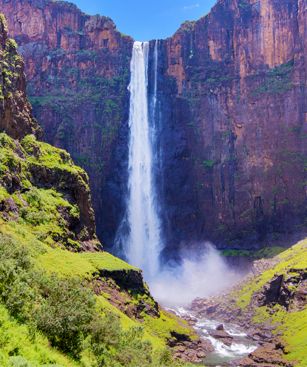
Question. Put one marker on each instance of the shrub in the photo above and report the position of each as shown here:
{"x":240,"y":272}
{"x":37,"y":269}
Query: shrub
{"x":65,"y":313}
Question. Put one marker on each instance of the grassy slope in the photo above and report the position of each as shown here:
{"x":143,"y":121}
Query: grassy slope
{"x":39,"y":226}
{"x":18,"y":348}
{"x":292,"y":325}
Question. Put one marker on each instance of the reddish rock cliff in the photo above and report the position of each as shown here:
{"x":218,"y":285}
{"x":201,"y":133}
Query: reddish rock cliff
{"x":27,"y":164}
{"x":15,"y":111}
{"x":239,"y":103}
{"x":78,"y":72}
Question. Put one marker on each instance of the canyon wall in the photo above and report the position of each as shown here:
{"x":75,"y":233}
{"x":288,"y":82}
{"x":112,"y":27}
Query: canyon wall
{"x":28,"y":165}
{"x":232,"y":121}
{"x":77,"y":68}
{"x":15,"y":111}
{"x":234,"y":124}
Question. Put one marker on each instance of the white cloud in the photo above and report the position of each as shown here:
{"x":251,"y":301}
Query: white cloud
{"x":191,"y":7}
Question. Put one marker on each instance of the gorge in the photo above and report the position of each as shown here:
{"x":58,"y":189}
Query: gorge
{"x":230,"y":96}
{"x":193,"y":156}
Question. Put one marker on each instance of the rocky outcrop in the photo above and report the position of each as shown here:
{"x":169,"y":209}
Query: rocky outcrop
{"x":78,"y":72}
{"x":287,"y":290}
{"x":27,"y":164}
{"x":15,"y":111}
{"x":222,"y":335}
{"x":189,"y":350}
{"x":268,"y":355}
{"x":232,"y":122}
{"x":233,"y":100}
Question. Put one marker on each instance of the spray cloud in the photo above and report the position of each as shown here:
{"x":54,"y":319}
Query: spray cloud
{"x":201,"y":274}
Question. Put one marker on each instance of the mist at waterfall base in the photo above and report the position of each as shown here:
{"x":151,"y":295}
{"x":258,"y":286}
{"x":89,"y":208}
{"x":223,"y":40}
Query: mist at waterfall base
{"x":202,"y":273}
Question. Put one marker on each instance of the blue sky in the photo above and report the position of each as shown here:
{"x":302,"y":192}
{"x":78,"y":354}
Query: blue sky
{"x":147,"y":19}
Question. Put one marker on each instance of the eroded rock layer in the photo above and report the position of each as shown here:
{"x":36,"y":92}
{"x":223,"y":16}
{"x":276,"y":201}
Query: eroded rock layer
{"x":234,"y":123}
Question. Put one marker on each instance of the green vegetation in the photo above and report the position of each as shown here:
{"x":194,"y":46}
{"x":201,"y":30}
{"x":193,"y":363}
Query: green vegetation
{"x":45,"y":211}
{"x":291,"y":325}
{"x":266,"y":252}
{"x":244,"y":5}
{"x":83,"y":265}
{"x":166,"y":324}
{"x":49,"y":314}
{"x":276,"y":80}
{"x":10,"y":64}
{"x":294,"y":258}
{"x":65,"y":312}
{"x":208,"y":164}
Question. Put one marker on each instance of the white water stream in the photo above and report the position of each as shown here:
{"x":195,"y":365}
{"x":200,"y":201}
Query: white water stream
{"x":223,"y":354}
{"x":142,"y":245}
{"x":140,"y":232}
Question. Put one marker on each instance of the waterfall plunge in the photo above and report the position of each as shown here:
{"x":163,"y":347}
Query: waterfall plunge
{"x":142,"y":244}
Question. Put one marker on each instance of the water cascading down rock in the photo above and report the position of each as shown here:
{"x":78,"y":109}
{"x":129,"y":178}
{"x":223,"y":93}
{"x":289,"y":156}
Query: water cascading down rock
{"x":140,"y":232}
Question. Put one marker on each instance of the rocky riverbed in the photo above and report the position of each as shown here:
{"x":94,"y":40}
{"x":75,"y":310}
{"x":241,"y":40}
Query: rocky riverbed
{"x":228,"y":343}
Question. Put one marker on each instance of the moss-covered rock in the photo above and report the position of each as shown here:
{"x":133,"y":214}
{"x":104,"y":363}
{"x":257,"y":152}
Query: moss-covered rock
{"x":15,"y":111}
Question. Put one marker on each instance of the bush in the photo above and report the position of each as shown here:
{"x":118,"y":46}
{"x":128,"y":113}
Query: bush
{"x":15,"y":290}
{"x":65,"y":313}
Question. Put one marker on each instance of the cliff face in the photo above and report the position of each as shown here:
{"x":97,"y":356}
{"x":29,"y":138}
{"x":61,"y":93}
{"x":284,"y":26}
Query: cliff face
{"x":15,"y":111}
{"x":52,"y":270}
{"x":77,"y":68}
{"x":234,"y":122}
{"x":34,"y":171}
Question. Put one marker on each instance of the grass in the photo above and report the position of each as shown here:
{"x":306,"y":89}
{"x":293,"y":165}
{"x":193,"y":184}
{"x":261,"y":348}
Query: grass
{"x":291,"y":325}
{"x":41,"y":227}
{"x":17,"y":339}
{"x":294,"y":258}
{"x":41,"y":153}
{"x":167,"y":323}
{"x":267,"y":252}
{"x":83,"y":265}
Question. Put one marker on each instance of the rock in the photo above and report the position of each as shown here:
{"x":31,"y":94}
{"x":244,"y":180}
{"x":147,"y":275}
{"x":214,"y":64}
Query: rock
{"x":265,"y":356}
{"x":220,"y":327}
{"x":289,"y":292}
{"x":188,"y":350}
{"x":86,"y":60}
{"x":222,"y":336}
{"x":211,"y":68}
{"x":16,"y":117}
{"x":10,"y":209}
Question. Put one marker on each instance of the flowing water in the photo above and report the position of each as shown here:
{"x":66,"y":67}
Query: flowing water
{"x":140,"y":232}
{"x":142,"y":244}
{"x":223,"y":354}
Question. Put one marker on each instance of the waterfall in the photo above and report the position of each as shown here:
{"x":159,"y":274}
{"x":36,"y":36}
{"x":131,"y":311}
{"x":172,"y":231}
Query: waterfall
{"x":142,"y":243}
{"x":155,"y":80}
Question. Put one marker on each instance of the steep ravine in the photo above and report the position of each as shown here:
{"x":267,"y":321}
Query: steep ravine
{"x":231,"y":96}
{"x":63,"y":300}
